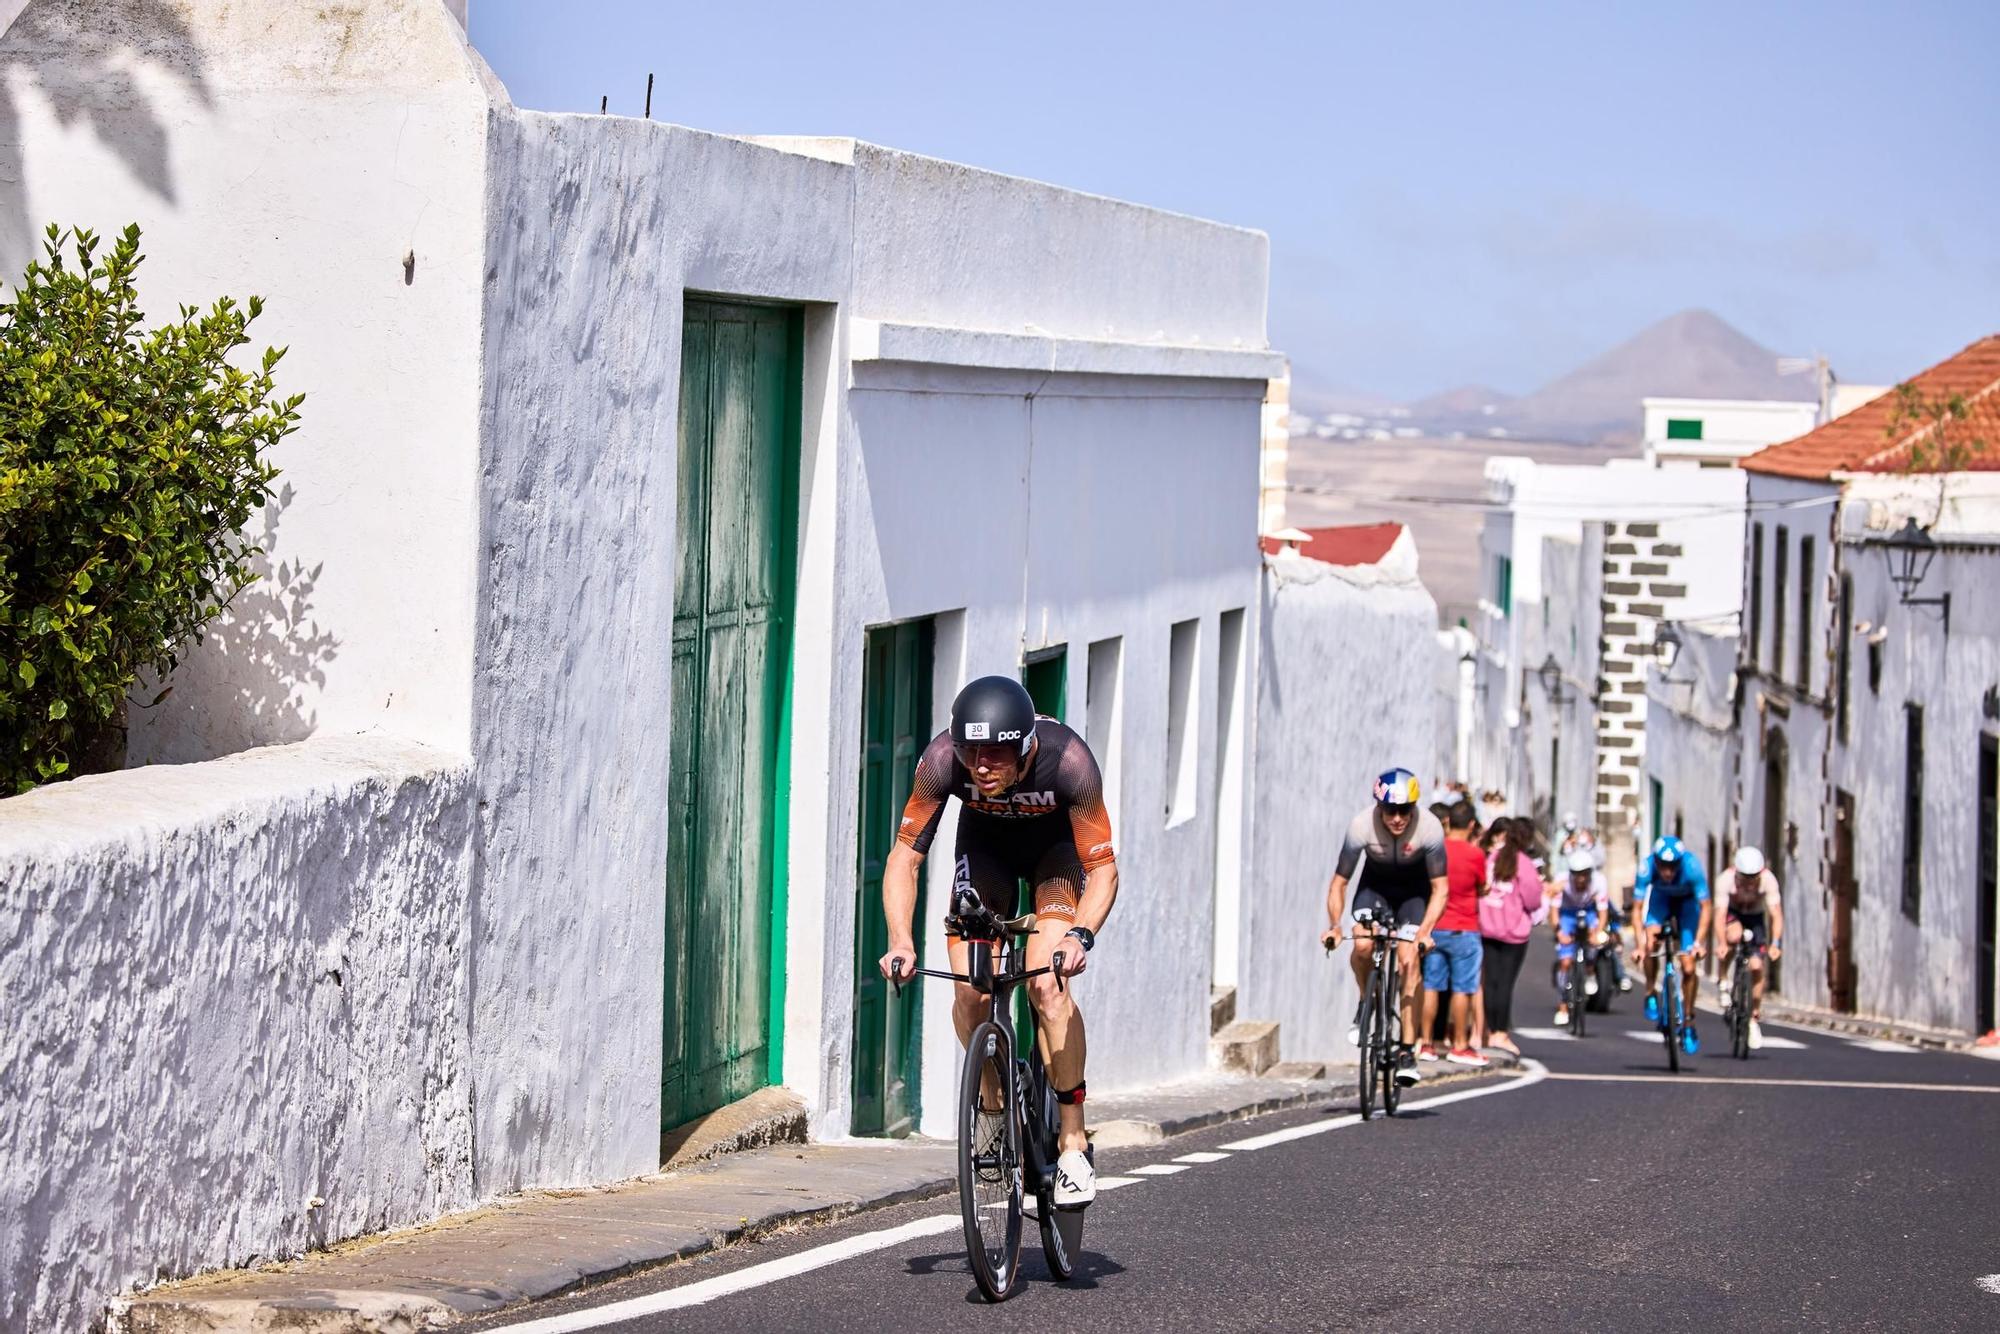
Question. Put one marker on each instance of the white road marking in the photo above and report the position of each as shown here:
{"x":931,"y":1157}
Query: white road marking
{"x":1545,"y":1034}
{"x":752,"y":1276}
{"x":1533,"y":1072}
{"x":819,"y":1257}
{"x":1989,"y":1283}
{"x":1202,"y":1157}
{"x":1772,"y":1040}
{"x":1780,"y":1083}
{"x":1882,"y":1044}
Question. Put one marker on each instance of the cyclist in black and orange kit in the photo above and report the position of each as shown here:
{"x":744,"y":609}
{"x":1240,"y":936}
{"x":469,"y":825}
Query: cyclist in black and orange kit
{"x":1033,"y":809}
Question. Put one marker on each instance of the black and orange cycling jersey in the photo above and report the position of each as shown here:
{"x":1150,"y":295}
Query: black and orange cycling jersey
{"x":1050,"y":828}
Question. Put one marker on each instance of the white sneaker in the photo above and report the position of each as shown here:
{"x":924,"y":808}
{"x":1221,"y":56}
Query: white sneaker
{"x":1624,"y":984}
{"x":1756,"y":1035}
{"x":1076,"y":1181}
{"x":1590,"y":985}
{"x":1562,"y":1015}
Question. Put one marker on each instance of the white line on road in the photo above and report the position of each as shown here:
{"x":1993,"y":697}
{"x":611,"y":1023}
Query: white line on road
{"x":1544,"y":1034}
{"x":1882,"y":1044}
{"x":1779,"y":1083}
{"x":754,"y":1276}
{"x":1533,"y":1072}
{"x":1202,"y":1157}
{"x":791,"y":1266}
{"x":1990,"y":1283}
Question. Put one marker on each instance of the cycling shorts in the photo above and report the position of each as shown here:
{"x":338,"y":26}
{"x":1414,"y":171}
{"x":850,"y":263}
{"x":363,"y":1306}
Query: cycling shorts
{"x":1042,"y":852}
{"x":1568,"y":918}
{"x":1686,"y":910}
{"x":1399,"y":907}
{"x":1754,"y":927}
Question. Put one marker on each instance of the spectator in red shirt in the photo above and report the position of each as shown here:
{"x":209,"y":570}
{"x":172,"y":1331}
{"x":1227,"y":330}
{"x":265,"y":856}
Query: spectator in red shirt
{"x":1453,"y":965}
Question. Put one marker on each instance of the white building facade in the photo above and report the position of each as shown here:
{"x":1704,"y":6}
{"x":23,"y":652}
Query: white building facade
{"x":1869,"y":718}
{"x":399,"y":922}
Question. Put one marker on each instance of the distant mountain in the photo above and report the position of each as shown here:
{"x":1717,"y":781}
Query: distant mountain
{"x":1695,"y":354}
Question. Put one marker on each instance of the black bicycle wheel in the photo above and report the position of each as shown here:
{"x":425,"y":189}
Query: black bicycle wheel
{"x":1365,"y":1058}
{"x":989,"y":1163}
{"x":1577,"y":972}
{"x":1062,"y":1229}
{"x":1739,"y":1011}
{"x":1389,"y":1041}
{"x":1670,"y":1012}
{"x":1607,"y":981}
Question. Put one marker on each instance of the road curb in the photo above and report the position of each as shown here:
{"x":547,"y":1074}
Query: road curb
{"x":1805,"y":1016}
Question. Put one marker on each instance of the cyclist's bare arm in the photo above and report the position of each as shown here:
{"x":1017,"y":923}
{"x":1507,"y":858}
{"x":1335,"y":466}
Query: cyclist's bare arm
{"x":1777,"y":923}
{"x":1100,"y":891}
{"x":899,"y":903}
{"x":1702,"y":929}
{"x":1440,"y":894}
{"x":1336,"y":904}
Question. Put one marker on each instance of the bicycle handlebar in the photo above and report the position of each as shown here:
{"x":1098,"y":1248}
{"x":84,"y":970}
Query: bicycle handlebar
{"x":1001,"y":979}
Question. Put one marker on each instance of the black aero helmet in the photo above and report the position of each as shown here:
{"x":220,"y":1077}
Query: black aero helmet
{"x":992,"y":710}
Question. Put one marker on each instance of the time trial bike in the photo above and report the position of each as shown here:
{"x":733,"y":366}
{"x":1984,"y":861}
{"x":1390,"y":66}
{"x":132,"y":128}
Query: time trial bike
{"x":1007,"y":1111}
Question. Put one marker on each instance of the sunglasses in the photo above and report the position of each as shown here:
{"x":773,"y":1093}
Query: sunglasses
{"x":990,"y":755}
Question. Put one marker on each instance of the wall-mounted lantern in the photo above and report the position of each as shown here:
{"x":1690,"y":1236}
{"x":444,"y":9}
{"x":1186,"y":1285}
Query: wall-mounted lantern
{"x":1911,"y":551}
{"x":1551,"y":674}
{"x":1667,"y":644}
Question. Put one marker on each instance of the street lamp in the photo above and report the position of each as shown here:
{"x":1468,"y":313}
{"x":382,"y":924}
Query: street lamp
{"x":1667,"y":645}
{"x":1551,"y":674}
{"x":1911,"y":551}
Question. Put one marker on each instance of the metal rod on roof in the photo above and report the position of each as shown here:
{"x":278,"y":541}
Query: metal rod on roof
{"x":604,"y":104}
{"x":649,"y":97}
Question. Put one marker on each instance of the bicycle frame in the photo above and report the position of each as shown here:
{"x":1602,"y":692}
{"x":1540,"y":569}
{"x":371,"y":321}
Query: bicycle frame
{"x":1384,"y":1010}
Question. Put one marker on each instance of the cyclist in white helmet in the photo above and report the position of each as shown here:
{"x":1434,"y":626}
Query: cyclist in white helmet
{"x":1750,"y":903}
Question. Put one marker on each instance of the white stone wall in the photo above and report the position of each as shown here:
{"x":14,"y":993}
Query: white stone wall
{"x":1344,"y":691}
{"x":1565,"y":625}
{"x":1919,"y":972}
{"x":231,"y":988}
{"x":1031,"y":414}
{"x":299,"y":153}
{"x":1691,"y":746}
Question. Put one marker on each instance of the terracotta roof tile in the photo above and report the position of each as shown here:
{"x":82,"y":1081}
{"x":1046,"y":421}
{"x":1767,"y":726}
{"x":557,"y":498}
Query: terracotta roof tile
{"x":1869,"y":439}
{"x":1345,"y":544}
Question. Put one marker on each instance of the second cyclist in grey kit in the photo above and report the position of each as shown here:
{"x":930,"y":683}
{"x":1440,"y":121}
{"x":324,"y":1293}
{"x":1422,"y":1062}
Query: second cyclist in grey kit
{"x":1399,"y":852}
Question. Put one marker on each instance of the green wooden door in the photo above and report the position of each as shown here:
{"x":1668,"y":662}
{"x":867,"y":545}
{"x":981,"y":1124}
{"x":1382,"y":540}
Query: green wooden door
{"x":1045,"y":673}
{"x":895,"y":726}
{"x":731,"y":675}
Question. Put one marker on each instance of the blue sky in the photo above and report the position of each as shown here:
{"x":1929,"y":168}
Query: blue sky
{"x":1465,"y":193}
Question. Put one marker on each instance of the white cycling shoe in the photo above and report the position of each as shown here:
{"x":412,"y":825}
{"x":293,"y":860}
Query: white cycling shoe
{"x":1076,"y":1181}
{"x":1756,"y":1035}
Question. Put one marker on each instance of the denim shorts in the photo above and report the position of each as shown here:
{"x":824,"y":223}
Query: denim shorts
{"x":1453,"y":963}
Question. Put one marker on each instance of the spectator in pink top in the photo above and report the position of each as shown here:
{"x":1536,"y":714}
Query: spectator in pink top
{"x":1508,"y":911}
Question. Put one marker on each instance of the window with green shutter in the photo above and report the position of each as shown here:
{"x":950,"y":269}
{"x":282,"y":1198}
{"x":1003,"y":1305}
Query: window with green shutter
{"x":1683,"y":428}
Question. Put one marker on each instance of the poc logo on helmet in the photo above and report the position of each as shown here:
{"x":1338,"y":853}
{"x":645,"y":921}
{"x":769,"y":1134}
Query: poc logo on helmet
{"x":1004,"y":736}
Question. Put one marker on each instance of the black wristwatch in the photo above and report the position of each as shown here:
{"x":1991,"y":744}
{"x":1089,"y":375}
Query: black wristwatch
{"x":1085,"y":935}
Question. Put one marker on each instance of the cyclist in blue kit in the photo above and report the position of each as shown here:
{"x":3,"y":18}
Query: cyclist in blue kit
{"x":1673,"y":888}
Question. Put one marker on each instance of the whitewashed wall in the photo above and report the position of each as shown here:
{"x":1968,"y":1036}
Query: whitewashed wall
{"x":296,"y":152}
{"x":223,"y":999}
{"x":1691,"y":745}
{"x":1344,"y":691}
{"x":1920,"y":972}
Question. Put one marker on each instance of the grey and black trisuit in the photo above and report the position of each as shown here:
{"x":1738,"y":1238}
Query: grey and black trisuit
{"x":1395,"y":873}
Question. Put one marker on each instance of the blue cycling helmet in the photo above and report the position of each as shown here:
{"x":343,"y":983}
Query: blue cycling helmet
{"x":1397,"y":787}
{"x":1668,"y":851}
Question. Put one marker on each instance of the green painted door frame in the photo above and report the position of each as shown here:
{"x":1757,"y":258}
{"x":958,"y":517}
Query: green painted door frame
{"x":1045,"y":672}
{"x":741,"y":380}
{"x":895,"y":727}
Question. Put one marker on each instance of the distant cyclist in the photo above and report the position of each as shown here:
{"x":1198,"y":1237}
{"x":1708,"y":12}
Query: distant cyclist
{"x":1399,"y":851}
{"x":1032,"y":808}
{"x":1749,"y":895}
{"x":1673,"y":892}
{"x":1583,"y":909}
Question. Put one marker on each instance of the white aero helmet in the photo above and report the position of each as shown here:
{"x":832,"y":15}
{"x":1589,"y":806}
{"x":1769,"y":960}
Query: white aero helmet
{"x":1581,"y":863}
{"x":1749,"y":861}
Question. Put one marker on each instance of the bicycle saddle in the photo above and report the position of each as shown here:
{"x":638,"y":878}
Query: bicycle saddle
{"x":1023,"y":925}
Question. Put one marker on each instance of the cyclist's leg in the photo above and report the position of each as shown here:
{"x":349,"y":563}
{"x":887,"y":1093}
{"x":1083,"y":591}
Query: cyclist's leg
{"x":980,"y":867}
{"x":1732,"y":933}
{"x":1689,"y":911}
{"x":1363,"y":960}
{"x":1058,"y":882}
{"x":1566,"y":920}
{"x":1410,"y":912}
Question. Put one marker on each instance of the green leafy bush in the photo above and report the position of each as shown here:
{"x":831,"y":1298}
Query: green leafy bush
{"x":130,"y":460}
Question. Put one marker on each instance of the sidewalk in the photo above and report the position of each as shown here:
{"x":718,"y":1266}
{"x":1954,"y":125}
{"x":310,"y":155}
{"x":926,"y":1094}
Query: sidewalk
{"x":541,"y":1244}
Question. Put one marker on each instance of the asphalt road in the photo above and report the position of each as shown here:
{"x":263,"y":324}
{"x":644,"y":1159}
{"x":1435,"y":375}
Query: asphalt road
{"x":1857,"y":1190}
